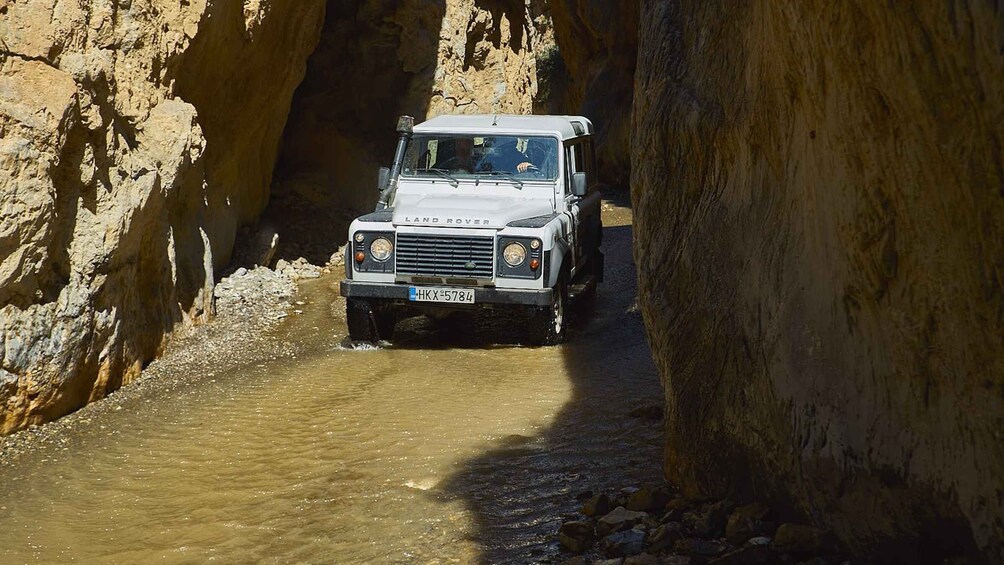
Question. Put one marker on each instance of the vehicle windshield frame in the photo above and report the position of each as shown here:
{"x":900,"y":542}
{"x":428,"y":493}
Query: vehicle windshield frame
{"x":483,"y":158}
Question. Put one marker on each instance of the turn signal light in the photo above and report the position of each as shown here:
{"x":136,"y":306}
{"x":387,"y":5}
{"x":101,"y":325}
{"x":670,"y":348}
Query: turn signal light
{"x":360,"y":256}
{"x":534,"y":264}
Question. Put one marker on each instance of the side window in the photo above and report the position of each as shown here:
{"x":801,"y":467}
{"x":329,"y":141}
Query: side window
{"x":578,"y":159}
{"x":569,"y":168}
{"x":580,"y":162}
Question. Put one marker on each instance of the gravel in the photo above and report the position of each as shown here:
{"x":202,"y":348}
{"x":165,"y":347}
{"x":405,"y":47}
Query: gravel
{"x":249,"y":304}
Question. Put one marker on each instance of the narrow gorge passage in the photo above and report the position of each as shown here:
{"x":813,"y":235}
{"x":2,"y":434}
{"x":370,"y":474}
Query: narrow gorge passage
{"x":435,"y":448}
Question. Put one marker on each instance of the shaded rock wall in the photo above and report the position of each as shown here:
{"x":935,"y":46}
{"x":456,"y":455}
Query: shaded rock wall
{"x":377,"y":60}
{"x":819,"y":205}
{"x":597,"y":45}
{"x":134,"y":136}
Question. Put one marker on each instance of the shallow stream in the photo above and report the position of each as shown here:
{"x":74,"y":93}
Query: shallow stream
{"x":440,"y":447}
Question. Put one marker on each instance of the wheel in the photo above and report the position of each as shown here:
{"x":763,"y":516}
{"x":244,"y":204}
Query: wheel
{"x":550,"y":324}
{"x":368,"y":321}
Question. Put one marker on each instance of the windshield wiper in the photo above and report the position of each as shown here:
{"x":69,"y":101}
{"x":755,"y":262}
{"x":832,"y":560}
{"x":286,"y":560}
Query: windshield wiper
{"x":508,"y":176}
{"x":454,"y":182}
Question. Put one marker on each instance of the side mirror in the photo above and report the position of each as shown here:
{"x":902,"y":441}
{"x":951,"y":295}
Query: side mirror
{"x":383,"y":178}
{"x":579,"y":187}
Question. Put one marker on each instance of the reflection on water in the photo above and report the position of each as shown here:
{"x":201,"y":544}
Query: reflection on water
{"x":418,"y":452}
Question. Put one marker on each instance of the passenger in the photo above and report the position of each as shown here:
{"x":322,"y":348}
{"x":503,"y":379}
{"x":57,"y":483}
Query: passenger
{"x":460,"y":158}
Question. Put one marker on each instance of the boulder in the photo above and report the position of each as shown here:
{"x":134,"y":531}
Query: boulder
{"x":747,"y":522}
{"x":598,"y":505}
{"x":576,"y":536}
{"x":642,"y":559}
{"x":699,"y":547}
{"x":648,"y":500}
{"x":623,"y":543}
{"x":618,"y":519}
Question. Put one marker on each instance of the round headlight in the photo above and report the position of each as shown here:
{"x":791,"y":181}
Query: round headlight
{"x":381,"y":249}
{"x":514,"y":254}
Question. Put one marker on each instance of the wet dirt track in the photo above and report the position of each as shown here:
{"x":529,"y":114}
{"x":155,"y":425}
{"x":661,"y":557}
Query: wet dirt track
{"x":441,"y":447}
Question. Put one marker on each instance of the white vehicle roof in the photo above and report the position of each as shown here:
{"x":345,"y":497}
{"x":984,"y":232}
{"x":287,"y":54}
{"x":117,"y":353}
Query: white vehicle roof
{"x":566,"y":127}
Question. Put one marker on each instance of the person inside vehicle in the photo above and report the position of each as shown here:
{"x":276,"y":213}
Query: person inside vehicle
{"x":540,"y":156}
{"x":510,"y":159}
{"x":456,"y":154}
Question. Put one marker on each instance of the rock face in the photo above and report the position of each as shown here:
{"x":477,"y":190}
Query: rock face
{"x":377,"y":60}
{"x":818,"y":191}
{"x":134,"y":136}
{"x":598,"y":45}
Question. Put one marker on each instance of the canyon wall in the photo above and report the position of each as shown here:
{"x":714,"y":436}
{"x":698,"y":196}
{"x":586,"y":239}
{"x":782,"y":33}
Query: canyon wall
{"x":377,"y":60}
{"x":818,"y":192}
{"x":819,"y":206}
{"x":134,"y":137}
{"x":137,"y":138}
{"x":597,"y":46}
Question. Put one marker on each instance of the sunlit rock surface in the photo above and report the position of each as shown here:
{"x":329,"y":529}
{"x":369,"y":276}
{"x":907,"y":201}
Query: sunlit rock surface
{"x":134,"y":137}
{"x":819,"y":206}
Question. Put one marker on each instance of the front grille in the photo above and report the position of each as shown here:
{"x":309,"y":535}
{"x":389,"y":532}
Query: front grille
{"x":445,"y":256}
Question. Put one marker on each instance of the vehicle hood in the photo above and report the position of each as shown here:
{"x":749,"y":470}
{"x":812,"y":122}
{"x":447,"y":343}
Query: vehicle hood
{"x":460,"y":211}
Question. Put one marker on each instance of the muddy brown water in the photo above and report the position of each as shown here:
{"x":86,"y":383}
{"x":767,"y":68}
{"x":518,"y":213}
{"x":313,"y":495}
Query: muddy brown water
{"x":441,"y":447}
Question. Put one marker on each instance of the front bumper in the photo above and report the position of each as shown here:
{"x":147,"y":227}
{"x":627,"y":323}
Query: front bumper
{"x":356,"y":289}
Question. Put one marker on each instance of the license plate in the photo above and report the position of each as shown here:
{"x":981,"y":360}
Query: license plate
{"x":433,"y":294}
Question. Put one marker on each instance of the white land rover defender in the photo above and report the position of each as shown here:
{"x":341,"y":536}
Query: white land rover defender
{"x":499,"y":212}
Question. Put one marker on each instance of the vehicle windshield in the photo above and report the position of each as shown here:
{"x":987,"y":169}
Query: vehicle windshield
{"x":452,"y":156}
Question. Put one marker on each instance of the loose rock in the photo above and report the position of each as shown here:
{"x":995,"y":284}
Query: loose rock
{"x":627,"y":542}
{"x":598,"y":505}
{"x":748,"y":555}
{"x":710,"y":521}
{"x":642,"y":559}
{"x":747,"y":522}
{"x":648,"y":500}
{"x":576,"y":536}
{"x":665,"y":536}
{"x":706,"y":548}
{"x":619,"y":519}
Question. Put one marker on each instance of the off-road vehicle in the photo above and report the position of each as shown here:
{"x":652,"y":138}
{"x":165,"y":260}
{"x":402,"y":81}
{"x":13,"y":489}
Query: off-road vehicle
{"x":478,"y":212}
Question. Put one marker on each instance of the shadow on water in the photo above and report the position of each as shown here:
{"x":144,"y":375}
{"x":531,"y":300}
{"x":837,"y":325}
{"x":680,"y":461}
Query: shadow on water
{"x":519,"y":489}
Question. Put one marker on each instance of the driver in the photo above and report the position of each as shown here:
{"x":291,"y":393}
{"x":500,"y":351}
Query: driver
{"x":514,"y":159}
{"x":539,"y":155}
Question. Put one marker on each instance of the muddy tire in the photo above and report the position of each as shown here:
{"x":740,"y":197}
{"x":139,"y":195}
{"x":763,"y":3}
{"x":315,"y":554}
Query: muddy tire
{"x":549,"y":325}
{"x":368,"y":321}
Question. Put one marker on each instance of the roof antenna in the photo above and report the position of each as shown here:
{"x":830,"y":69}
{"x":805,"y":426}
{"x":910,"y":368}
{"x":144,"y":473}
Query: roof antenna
{"x":495,"y":122}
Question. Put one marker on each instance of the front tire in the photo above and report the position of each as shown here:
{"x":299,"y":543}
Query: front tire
{"x":550,"y":324}
{"x":369,"y":321}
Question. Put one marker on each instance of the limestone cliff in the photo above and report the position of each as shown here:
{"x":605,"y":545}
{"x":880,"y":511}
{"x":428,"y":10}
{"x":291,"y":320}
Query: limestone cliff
{"x":134,"y":136}
{"x":377,"y":60}
{"x":137,"y":137}
{"x":819,"y":204}
{"x":598,"y":45}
